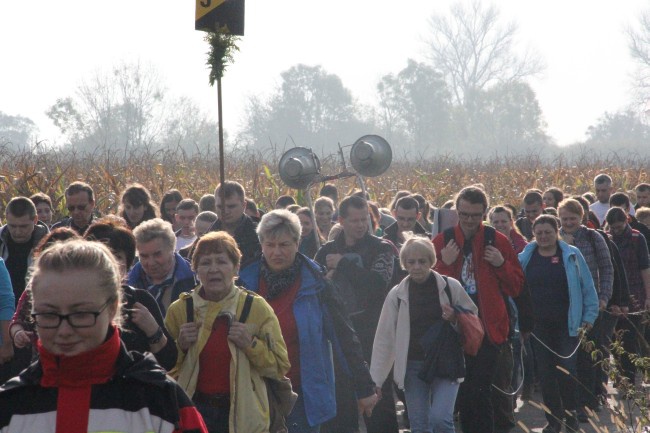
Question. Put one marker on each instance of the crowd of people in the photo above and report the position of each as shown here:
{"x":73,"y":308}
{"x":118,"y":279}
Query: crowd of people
{"x":216,"y":316}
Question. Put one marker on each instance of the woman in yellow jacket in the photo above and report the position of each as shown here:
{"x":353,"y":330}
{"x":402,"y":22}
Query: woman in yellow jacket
{"x":222,"y":362}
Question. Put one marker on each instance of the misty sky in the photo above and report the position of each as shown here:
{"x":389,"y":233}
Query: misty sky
{"x":47,"y":47}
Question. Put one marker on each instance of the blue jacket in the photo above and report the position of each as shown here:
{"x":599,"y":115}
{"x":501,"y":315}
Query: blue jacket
{"x":7,"y":299}
{"x":583,"y":299}
{"x":315,"y":332}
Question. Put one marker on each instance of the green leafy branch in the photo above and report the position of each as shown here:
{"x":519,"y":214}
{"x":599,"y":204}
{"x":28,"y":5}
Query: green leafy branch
{"x":222,"y":48}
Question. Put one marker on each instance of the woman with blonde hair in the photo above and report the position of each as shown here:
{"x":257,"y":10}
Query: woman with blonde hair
{"x":85,"y":379}
{"x":423,"y":299}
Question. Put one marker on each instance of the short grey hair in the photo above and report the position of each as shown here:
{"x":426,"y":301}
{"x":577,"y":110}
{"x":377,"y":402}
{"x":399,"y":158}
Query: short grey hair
{"x":279,"y":222}
{"x":155,"y":229}
{"x":416,"y":244}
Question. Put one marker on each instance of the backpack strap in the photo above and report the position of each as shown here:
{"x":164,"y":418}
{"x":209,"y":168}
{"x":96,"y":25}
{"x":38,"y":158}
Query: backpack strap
{"x":449,"y":235}
{"x":447,"y":289}
{"x":489,"y":235}
{"x":246,"y":309}
{"x":189,"y":309}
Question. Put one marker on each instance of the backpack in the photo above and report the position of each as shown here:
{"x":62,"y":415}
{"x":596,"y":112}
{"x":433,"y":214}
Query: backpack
{"x":279,"y":391}
{"x":620,"y":291}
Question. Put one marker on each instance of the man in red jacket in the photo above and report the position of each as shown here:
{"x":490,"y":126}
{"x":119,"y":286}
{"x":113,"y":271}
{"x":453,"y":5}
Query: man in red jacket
{"x":488,"y":269}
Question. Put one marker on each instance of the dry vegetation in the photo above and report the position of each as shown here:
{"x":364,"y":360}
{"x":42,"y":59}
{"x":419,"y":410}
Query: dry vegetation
{"x":505,"y":179}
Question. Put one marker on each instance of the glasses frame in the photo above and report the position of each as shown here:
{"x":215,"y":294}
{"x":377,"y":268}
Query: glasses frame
{"x":468,"y":215}
{"x":66,"y":317}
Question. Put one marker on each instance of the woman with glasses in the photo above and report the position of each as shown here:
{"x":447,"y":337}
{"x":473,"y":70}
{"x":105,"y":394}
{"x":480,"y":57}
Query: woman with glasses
{"x":85,"y":380}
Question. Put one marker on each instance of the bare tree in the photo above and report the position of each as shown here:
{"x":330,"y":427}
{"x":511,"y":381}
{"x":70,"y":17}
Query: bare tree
{"x":639,"y":44}
{"x":473,"y":49}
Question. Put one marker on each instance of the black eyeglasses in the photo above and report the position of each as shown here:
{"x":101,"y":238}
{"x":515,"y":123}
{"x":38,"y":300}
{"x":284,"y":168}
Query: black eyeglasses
{"x":79,"y":319}
{"x":467,"y":215}
{"x":79,"y":207}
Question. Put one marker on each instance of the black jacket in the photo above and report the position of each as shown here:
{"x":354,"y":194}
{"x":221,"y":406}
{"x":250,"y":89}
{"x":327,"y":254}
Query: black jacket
{"x":246,"y":237}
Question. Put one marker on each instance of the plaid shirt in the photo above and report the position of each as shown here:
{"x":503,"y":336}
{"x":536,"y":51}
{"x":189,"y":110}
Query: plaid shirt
{"x":598,"y":259}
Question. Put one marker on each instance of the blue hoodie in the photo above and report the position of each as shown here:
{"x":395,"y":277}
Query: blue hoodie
{"x":583,"y":299}
{"x":7,"y":299}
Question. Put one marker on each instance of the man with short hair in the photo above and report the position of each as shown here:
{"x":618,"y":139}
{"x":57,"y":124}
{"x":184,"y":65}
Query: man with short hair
{"x":233,"y":220}
{"x":186,"y":212}
{"x":406,"y":214}
{"x":160,"y":271}
{"x":361,"y":266}
{"x":622,"y":200}
{"x":604,"y":189}
{"x":80,"y":202}
{"x":18,"y":238}
{"x":533,"y":207}
{"x":489,"y":270}
{"x":202,"y":225}
{"x":642,"y":191}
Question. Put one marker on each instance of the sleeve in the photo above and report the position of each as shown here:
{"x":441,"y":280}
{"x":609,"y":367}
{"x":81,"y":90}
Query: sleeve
{"x":525,"y":310}
{"x":20,"y":313}
{"x":349,"y":343}
{"x":373,"y":282}
{"x":441,"y":267}
{"x":269,"y":356}
{"x":605,"y":267}
{"x":509,"y":274}
{"x":7,"y":299}
{"x":642,"y":252}
{"x":166,"y":356}
{"x":620,"y":290}
{"x":173,"y":320}
{"x":383,"y":348}
{"x":589,"y":296}
{"x":189,"y":418}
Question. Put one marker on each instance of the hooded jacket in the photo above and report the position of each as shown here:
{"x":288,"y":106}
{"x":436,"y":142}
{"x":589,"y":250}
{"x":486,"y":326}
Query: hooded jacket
{"x":583,"y":300}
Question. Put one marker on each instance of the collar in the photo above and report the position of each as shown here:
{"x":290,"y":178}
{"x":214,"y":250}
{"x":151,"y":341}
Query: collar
{"x":88,"y":368}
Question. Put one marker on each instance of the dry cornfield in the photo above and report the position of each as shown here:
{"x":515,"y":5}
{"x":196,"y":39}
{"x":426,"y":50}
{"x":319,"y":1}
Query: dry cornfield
{"x":505,"y":178}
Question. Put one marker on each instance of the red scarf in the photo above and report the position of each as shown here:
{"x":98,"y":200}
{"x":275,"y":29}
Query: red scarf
{"x":74,"y":377}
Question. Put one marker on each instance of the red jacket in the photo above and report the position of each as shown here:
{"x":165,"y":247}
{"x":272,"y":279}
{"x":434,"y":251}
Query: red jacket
{"x":492,"y":283}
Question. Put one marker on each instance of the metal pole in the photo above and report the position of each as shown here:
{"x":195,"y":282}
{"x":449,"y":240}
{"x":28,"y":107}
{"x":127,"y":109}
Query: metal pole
{"x":222,"y":172}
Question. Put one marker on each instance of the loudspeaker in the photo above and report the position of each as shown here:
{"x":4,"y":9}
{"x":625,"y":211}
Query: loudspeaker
{"x":298,"y":167}
{"x":371,"y":155}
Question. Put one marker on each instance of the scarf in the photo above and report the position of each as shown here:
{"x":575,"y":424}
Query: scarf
{"x":278,"y":282}
{"x":74,"y":377}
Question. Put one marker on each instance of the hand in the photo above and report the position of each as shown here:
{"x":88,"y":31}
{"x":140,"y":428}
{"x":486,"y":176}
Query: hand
{"x":378,"y":392}
{"x":448,"y":313}
{"x":625,"y":310}
{"x":586,"y":326}
{"x":6,"y":352}
{"x":332,"y":260}
{"x":23,"y":338}
{"x":143,"y":319}
{"x":449,"y":253}
{"x":239,"y":335}
{"x":188,"y":335}
{"x":523,"y":336}
{"x":493,"y":256}
{"x":602,"y":304}
{"x":330,"y":274}
{"x":367,"y":404}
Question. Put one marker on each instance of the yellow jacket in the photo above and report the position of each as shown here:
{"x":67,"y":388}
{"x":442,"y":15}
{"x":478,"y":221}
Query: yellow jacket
{"x":249,"y":408}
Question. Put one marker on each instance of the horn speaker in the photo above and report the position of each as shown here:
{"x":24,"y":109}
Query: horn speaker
{"x":371,"y":155}
{"x":298,"y":167}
